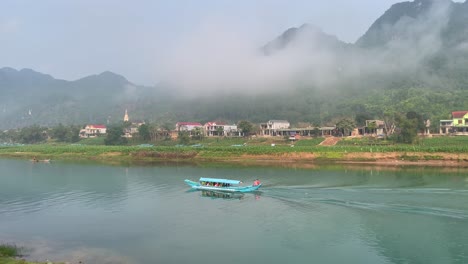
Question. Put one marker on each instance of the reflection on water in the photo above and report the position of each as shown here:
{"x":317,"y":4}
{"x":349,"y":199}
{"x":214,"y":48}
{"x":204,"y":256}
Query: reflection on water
{"x":110,"y":214}
{"x":222,"y":195}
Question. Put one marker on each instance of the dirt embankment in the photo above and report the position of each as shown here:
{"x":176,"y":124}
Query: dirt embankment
{"x":386,"y":158}
{"x":303,"y":158}
{"x":330,"y":141}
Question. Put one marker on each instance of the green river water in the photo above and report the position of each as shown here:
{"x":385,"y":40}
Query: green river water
{"x":98,"y":213}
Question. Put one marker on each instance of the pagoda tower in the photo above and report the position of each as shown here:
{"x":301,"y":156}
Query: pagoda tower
{"x":126,"y":116}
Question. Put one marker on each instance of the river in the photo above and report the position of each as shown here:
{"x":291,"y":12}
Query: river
{"x":98,"y":213}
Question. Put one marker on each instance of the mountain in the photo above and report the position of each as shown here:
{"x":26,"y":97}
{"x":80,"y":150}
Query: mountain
{"x":412,"y":58}
{"x":444,"y":18}
{"x":37,"y":98}
{"x":307,"y":36}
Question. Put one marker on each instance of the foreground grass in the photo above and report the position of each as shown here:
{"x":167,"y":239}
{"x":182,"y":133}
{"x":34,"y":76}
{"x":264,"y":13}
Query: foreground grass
{"x":9,"y":254}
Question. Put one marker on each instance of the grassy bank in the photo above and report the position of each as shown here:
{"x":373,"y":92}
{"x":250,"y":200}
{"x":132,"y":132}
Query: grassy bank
{"x":9,"y":254}
{"x":453,"y":149}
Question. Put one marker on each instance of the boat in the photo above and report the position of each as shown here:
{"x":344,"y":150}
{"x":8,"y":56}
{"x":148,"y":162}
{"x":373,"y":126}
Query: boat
{"x":222,"y":185}
{"x":43,"y":161}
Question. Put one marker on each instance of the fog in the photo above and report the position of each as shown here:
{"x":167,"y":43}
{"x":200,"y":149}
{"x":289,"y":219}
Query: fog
{"x":218,"y":58}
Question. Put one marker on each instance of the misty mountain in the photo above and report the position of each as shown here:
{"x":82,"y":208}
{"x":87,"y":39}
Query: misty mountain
{"x":29,"y":97}
{"x":312,"y":36}
{"x":414,"y":20}
{"x":413,"y":58}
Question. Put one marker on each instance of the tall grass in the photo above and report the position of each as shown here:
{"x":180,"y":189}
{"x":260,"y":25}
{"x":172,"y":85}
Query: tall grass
{"x":7,"y":250}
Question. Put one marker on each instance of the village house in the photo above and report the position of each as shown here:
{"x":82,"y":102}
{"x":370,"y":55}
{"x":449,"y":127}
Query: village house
{"x":193,"y":128}
{"x":220,"y":129}
{"x":297,"y":133}
{"x":90,"y":131}
{"x":272,"y":127}
{"x":187,"y":126}
{"x":458,"y":125}
{"x":282,"y":128}
{"x":372,"y":127}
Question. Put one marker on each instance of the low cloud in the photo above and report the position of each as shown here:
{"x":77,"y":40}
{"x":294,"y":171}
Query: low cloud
{"x":218,"y":58}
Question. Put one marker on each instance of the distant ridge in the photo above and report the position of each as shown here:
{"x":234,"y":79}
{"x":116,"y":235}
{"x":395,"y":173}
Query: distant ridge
{"x":412,"y":58}
{"x":314,"y":36}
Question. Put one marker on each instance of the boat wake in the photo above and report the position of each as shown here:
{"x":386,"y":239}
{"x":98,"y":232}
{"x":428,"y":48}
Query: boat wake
{"x":407,"y":201}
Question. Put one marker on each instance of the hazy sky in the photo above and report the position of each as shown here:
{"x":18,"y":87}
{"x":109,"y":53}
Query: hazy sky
{"x":74,"y":38}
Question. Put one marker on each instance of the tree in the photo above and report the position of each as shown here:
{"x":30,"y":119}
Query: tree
{"x":167,"y":128}
{"x":184,"y":137}
{"x":198,"y":133}
{"x":60,"y":133}
{"x":372,"y":126}
{"x":32,"y":134}
{"x":63,"y":133}
{"x":345,"y":126}
{"x":389,"y":123}
{"x":245,"y":127}
{"x":361,"y":118}
{"x":418,"y":120}
{"x":407,"y":129}
{"x":144,"y":132}
{"x":316,"y":132}
{"x":115,"y":136}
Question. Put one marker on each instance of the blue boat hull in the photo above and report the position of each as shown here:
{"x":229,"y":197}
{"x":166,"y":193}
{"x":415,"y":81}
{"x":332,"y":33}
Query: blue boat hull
{"x":242,"y":189}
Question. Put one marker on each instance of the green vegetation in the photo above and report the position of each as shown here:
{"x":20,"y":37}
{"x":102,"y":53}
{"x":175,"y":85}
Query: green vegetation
{"x":245,"y":127}
{"x":184,"y":137}
{"x":238,"y":148}
{"x":63,"y":133}
{"x":9,"y":255}
{"x":7,"y":250}
{"x":114,"y":135}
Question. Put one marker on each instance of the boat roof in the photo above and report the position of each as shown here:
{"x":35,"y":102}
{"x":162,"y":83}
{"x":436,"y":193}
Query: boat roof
{"x":219,"y":180}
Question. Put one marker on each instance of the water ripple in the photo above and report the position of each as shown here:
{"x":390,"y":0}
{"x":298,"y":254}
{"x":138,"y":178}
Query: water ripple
{"x":366,"y":199}
{"x":402,"y":208}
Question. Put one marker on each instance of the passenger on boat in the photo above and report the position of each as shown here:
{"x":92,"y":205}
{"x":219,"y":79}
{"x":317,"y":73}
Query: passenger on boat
{"x":256,"y":182}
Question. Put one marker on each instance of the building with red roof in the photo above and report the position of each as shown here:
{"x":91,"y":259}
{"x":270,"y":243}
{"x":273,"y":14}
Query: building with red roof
{"x":458,"y":125}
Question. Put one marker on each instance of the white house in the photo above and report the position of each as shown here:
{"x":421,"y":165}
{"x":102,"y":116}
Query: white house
{"x":187,"y":126}
{"x":93,"y":131}
{"x":219,"y":129}
{"x":270,"y":128}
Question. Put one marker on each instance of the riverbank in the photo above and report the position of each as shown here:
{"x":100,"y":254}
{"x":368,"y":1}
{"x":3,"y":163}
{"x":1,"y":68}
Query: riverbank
{"x":307,"y":152}
{"x":11,"y":254}
{"x":11,"y":260}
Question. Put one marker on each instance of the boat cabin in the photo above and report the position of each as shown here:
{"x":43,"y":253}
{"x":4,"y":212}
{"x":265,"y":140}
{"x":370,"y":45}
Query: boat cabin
{"x":218,"y":182}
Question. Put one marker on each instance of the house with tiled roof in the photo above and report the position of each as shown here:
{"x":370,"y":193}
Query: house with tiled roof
{"x":458,"y":125}
{"x":90,"y":131}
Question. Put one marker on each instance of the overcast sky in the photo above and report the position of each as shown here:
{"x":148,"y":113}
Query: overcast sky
{"x":74,"y":38}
